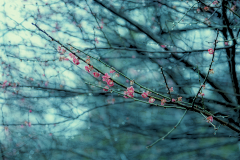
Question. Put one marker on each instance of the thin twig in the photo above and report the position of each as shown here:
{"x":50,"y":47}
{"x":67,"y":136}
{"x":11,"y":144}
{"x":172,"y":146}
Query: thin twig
{"x":184,"y":15}
{"x":208,"y":71}
{"x":232,"y":11}
{"x":166,"y":83}
{"x":98,"y":24}
{"x":200,"y":85}
{"x":168,"y":132}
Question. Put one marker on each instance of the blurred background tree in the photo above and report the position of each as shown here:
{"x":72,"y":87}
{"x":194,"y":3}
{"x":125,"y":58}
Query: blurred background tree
{"x":50,"y":111}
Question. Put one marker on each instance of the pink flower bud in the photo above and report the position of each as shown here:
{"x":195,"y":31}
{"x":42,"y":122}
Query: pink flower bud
{"x":151,"y":100}
{"x":144,"y":95}
{"x":106,"y":88}
{"x":96,"y":74}
{"x":210,"y":119}
{"x":210,"y":51}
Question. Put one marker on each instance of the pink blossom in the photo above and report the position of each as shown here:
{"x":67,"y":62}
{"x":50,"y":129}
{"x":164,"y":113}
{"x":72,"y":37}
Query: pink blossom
{"x":163,"y":46}
{"x":210,"y":51}
{"x":106,"y":88}
{"x":30,"y":111}
{"x":127,"y":94}
{"x":198,"y":10}
{"x":201,"y":94}
{"x":90,"y":68}
{"x":87,"y":69}
{"x":96,"y":40}
{"x":210,"y":119}
{"x":163,"y":101}
{"x":215,"y":2}
{"x":144,"y":95}
{"x":59,"y":48}
{"x":173,"y":100}
{"x":105,"y":77}
{"x":66,"y":59}
{"x":71,"y":55}
{"x":29,"y":124}
{"x":96,"y":74}
{"x":130,"y":90}
{"x":130,"y":95}
{"x":110,"y":82}
{"x":76,"y":61}
{"x":63,"y":51}
{"x":112,"y":71}
{"x":148,"y":92}
{"x":226,"y":43}
{"x":151,"y":100}
{"x":88,"y":61}
{"x":206,"y":8}
{"x":46,"y":83}
{"x":233,"y":8}
{"x":171,"y":89}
